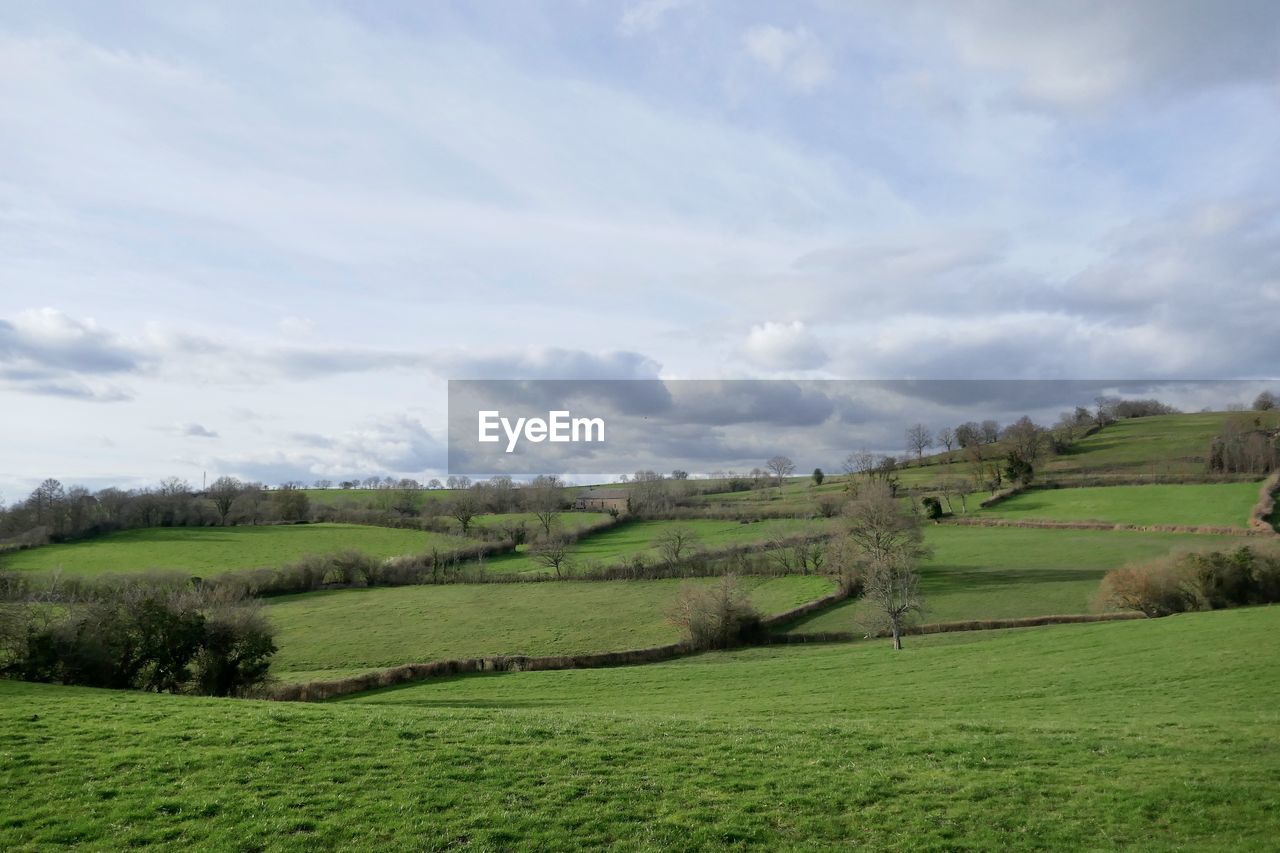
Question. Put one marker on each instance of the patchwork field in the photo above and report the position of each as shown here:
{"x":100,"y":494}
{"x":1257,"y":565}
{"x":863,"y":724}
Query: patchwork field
{"x":1003,"y":573}
{"x":639,"y":537}
{"x":1154,"y":734}
{"x":209,"y":550}
{"x":335,"y":634}
{"x":1215,"y":505}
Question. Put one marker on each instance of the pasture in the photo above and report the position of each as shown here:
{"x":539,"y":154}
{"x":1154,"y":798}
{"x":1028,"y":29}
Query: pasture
{"x":1209,"y":504}
{"x":639,"y":538}
{"x":1155,"y":733}
{"x":334,"y":634}
{"x":208,"y":551}
{"x":1007,"y":572}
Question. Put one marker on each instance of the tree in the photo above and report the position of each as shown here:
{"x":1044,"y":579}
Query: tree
{"x":553,"y":553}
{"x":1026,"y":441}
{"x":223,"y":493}
{"x":919,"y":439}
{"x":464,"y":508}
{"x":780,"y":467}
{"x":675,"y":543}
{"x":324,"y":484}
{"x":291,"y":503}
{"x":818,"y":476}
{"x":968,"y":434}
{"x":545,"y":499}
{"x":990,"y":432}
{"x":885,"y":542}
{"x":678,"y":474}
{"x":408,"y":500}
{"x":947,"y":438}
{"x":458,"y":482}
{"x":1265,"y":402}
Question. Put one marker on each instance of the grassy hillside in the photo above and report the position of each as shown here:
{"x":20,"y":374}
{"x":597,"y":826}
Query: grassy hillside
{"x":1152,"y":734}
{"x":1217,"y":505}
{"x":1001,"y":573}
{"x":209,"y":550}
{"x":567,"y":522}
{"x":333,"y":634}
{"x":632,"y":538}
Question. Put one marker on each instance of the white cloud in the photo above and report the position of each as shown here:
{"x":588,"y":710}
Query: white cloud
{"x":795,"y":55}
{"x":784,"y":346}
{"x":647,"y":16}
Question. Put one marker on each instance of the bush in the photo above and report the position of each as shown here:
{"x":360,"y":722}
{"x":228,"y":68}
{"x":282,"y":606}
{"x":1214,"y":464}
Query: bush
{"x":719,"y":616}
{"x":1195,"y":581}
{"x":932,"y":507}
{"x":143,"y":638}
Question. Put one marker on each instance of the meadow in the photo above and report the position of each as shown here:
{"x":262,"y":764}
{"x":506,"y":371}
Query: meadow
{"x":1212,"y":504}
{"x":638,"y":538}
{"x":1007,"y":572}
{"x":333,"y":634}
{"x":209,"y":550}
{"x":1153,"y":734}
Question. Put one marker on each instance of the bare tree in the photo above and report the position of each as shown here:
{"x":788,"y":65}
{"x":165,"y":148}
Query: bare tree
{"x":1265,"y":402}
{"x":464,"y":508}
{"x":885,"y":542}
{"x":545,"y":499}
{"x":223,"y":493}
{"x":947,"y":438}
{"x":675,"y":544}
{"x":919,"y":439}
{"x":780,"y":467}
{"x":553,"y":552}
{"x":990,"y":432}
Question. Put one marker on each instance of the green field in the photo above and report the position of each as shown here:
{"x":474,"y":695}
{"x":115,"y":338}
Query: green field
{"x":209,"y":550}
{"x":565,"y":522}
{"x":1152,"y":734}
{"x":1007,"y":572}
{"x":424,"y":623}
{"x":1215,"y":505}
{"x":637,"y":537}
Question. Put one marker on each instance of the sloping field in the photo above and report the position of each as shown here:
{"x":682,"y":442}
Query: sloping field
{"x":1214,"y":505}
{"x":639,"y":537}
{"x":209,"y":550}
{"x":326,"y":635}
{"x":1007,"y":572}
{"x":1153,"y":734}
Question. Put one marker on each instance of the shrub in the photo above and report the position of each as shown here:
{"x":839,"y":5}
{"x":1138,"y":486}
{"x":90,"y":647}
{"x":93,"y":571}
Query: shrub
{"x":932,"y":507}
{"x":1195,"y":581}
{"x":719,"y":616}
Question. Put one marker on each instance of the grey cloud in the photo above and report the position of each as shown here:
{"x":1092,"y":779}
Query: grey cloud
{"x":196,"y":431}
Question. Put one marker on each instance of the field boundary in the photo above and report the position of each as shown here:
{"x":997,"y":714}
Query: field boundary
{"x":319,"y":691}
{"x":955,"y":627}
{"x":1262,"y":511}
{"x":1107,"y":525}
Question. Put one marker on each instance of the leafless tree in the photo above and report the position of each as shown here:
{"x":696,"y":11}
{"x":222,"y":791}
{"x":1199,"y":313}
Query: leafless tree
{"x":919,"y":439}
{"x":223,"y":493}
{"x":553,"y":552}
{"x":675,"y":544}
{"x":947,"y":438}
{"x":885,"y":542}
{"x":1265,"y":402}
{"x":545,"y":499}
{"x":780,"y":467}
{"x":990,"y":431}
{"x":464,"y":508}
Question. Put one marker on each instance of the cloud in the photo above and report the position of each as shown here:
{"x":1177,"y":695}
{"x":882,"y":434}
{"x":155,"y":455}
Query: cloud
{"x":49,"y":353}
{"x":647,"y":16}
{"x":545,"y":363}
{"x":1092,"y":54}
{"x":195,"y":431}
{"x":784,"y":346}
{"x":795,"y":55}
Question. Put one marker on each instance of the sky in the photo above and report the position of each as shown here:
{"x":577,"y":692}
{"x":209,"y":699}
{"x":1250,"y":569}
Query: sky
{"x":258,"y":239}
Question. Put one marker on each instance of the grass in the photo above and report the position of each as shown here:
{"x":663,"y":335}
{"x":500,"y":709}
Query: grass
{"x":566,"y":522}
{"x":425,"y":623}
{"x":1003,"y":573}
{"x":637,"y":538}
{"x":210,"y":550}
{"x":1153,"y":734}
{"x":1217,"y":505}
